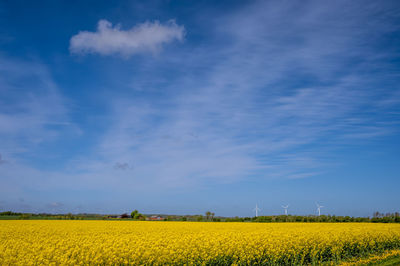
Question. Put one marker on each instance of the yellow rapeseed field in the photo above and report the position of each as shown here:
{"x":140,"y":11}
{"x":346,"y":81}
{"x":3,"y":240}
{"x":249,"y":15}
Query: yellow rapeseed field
{"x":128,"y":242}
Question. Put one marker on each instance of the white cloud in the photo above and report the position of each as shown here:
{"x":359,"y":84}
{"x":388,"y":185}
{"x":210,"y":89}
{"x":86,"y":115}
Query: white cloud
{"x":144,"y":37}
{"x":246,"y":115}
{"x":239,"y":111}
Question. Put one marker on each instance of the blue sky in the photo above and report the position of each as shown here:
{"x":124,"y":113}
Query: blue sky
{"x":188,"y":106}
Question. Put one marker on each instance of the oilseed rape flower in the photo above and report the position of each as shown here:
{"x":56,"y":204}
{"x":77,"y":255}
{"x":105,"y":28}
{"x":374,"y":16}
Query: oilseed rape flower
{"x":159,"y":243}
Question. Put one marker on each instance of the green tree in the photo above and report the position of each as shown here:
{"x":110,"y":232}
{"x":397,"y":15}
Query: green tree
{"x":140,"y":217}
{"x":135,"y":214}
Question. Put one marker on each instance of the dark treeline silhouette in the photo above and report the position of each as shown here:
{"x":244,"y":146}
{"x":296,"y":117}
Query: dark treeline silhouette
{"x":49,"y":216}
{"x":377,"y":217}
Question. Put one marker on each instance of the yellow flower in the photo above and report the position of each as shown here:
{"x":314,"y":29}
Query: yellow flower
{"x":159,"y":243}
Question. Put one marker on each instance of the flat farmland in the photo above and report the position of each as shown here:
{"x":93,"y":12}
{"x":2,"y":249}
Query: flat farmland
{"x":157,"y":243}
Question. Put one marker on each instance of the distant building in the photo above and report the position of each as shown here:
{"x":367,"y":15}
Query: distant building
{"x":124,"y":216}
{"x":155,"y":218}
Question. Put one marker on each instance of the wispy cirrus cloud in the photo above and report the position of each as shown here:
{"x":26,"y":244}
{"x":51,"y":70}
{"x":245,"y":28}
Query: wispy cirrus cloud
{"x":273,"y":91}
{"x":33,"y":115}
{"x":142,"y":38}
{"x":275,"y":103}
{"x":246,"y":113}
{"x":2,"y":161}
{"x":32,"y":110}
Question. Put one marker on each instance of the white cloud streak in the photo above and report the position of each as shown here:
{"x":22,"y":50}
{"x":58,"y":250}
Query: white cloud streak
{"x":274,"y":101}
{"x":33,"y":114}
{"x":249,"y":114}
{"x":31,"y":106}
{"x":142,"y":38}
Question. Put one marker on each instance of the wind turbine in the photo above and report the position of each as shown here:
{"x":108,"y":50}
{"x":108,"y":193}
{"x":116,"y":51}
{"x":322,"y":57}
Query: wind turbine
{"x":285,"y":207}
{"x":256,"y":209}
{"x":319,"y":209}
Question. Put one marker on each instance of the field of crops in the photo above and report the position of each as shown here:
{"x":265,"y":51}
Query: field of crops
{"x":129,"y":242}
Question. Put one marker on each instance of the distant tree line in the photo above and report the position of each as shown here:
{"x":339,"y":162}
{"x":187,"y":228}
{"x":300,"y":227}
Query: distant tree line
{"x":208,"y":217}
{"x":382,"y":218}
{"x":10,"y":213}
{"x":49,"y":216}
{"x":377,"y":217}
